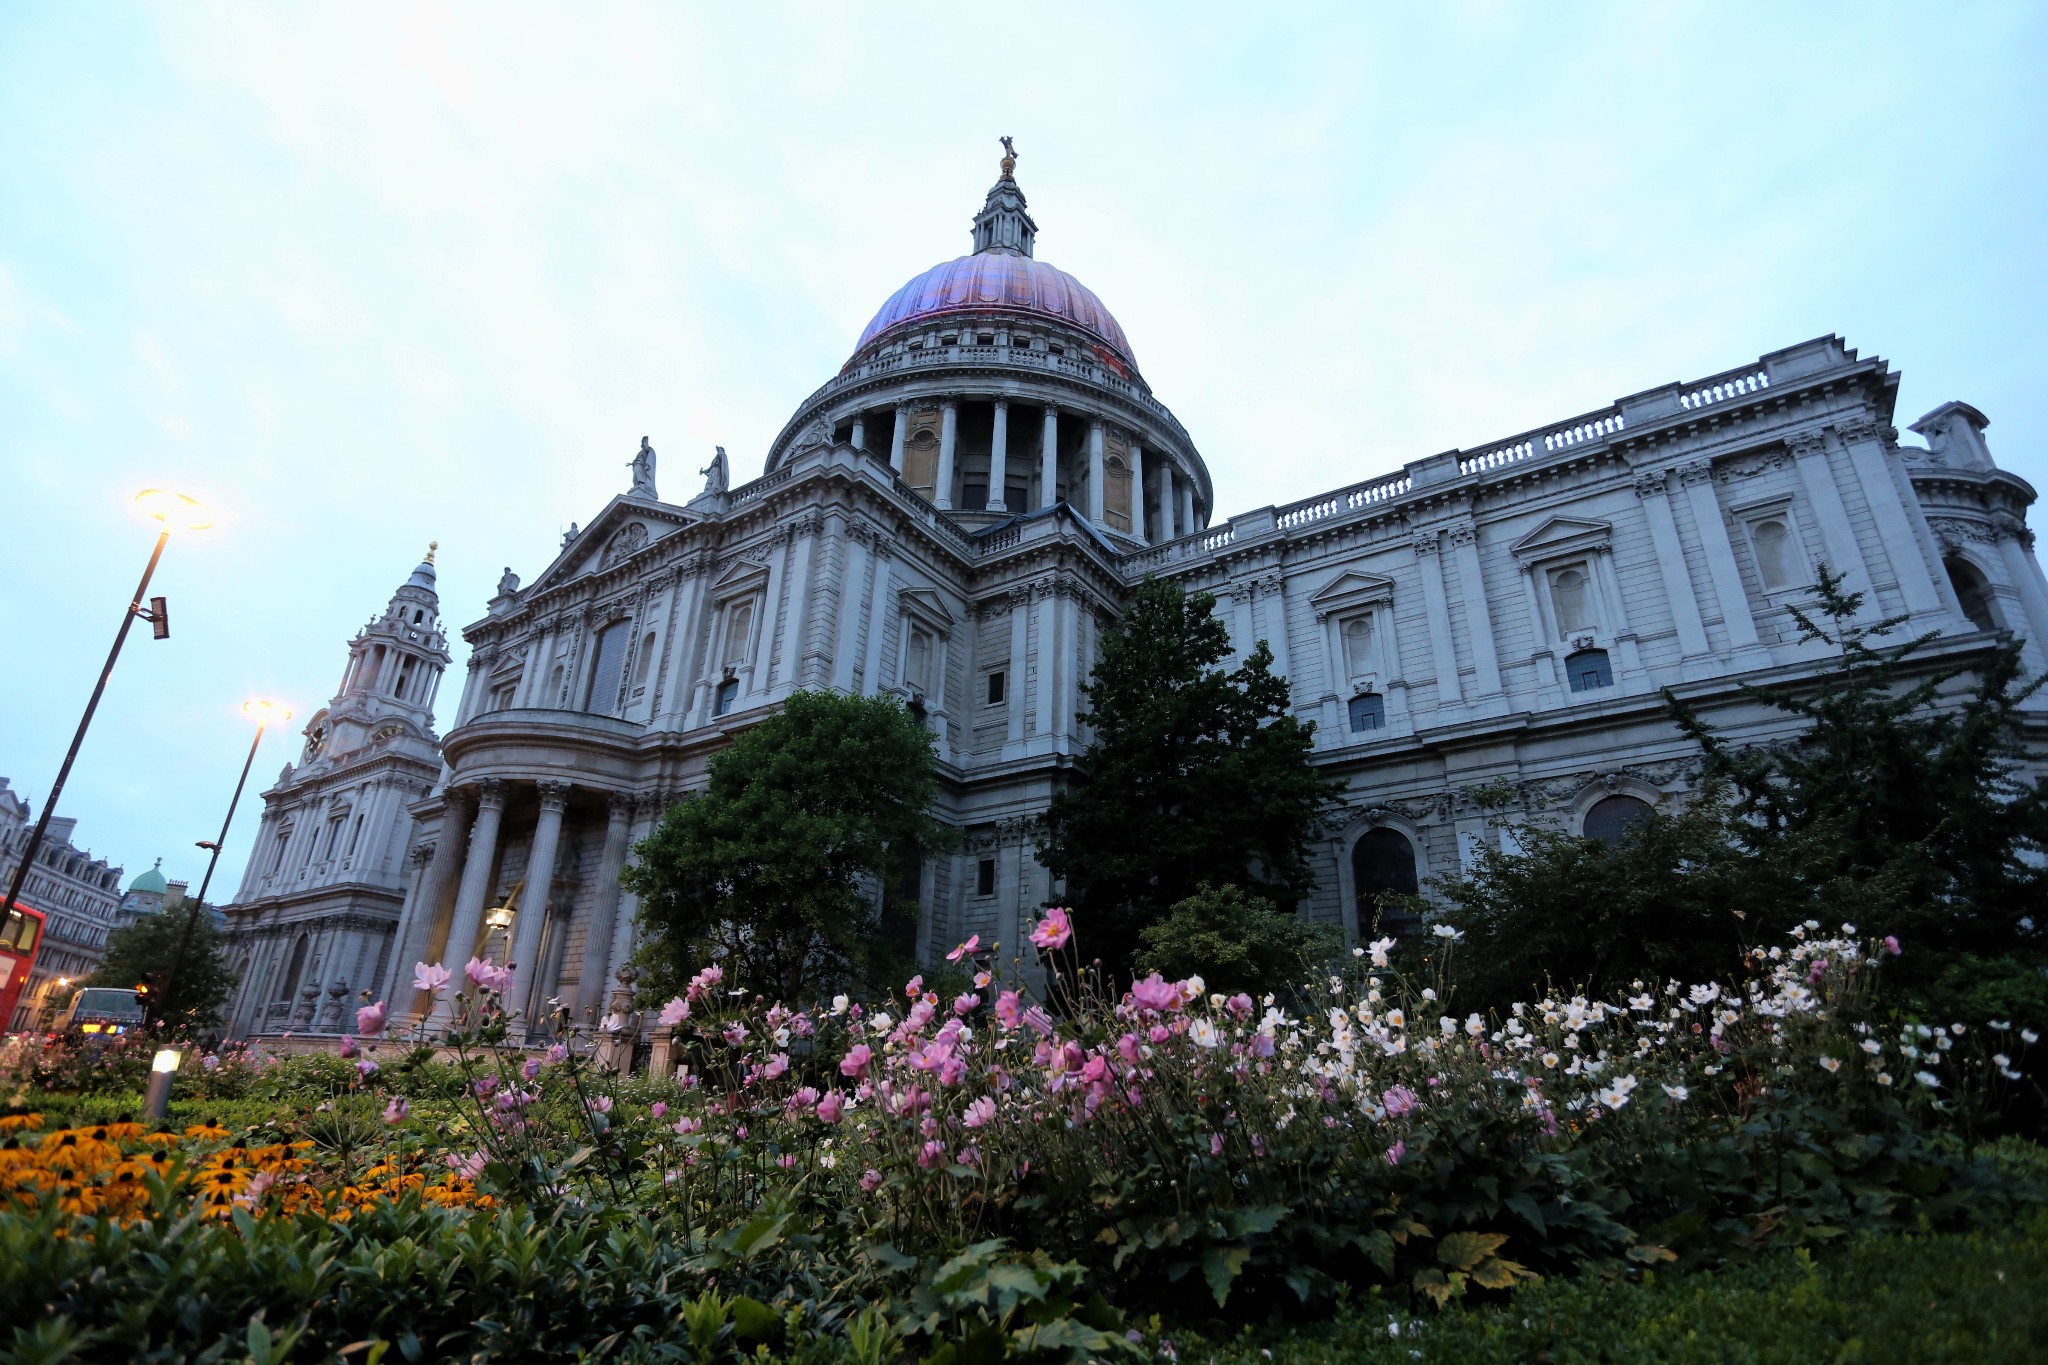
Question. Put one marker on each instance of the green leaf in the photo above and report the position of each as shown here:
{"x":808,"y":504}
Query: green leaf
{"x":1463,"y":1250}
{"x":1220,"y":1266}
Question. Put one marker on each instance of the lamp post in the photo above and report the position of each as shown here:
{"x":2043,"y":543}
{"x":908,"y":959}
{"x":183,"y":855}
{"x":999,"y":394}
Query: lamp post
{"x":263,"y":711}
{"x":175,"y":512}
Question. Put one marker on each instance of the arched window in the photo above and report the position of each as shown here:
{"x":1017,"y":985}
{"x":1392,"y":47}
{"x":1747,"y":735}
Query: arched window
{"x":1368,"y":711}
{"x":1382,"y":863}
{"x":1568,"y":594}
{"x":1613,"y":816}
{"x":1357,"y":633}
{"x":1972,"y":592}
{"x":1772,"y":541}
{"x":1588,"y":669}
{"x":290,"y":979}
{"x":603,"y":692}
{"x":917,"y":661}
{"x":739,"y":628}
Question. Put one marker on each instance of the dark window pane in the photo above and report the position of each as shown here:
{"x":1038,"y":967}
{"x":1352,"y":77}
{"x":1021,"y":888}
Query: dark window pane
{"x":1612,"y":816}
{"x":996,"y":681}
{"x":985,"y":877}
{"x":1368,"y":711}
{"x":605,"y":670}
{"x":1589,"y":669}
{"x":728,"y":691}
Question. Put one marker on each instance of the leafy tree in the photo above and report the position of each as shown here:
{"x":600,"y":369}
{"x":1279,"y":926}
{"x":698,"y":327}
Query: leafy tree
{"x":1906,"y":786}
{"x":1674,"y":899}
{"x":145,"y":949}
{"x":1198,"y":774}
{"x":1900,"y":808}
{"x":1235,"y":942}
{"x":795,"y":869}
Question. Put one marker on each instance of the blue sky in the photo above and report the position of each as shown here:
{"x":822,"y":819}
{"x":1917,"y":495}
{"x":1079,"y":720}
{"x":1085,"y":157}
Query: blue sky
{"x":365,"y":276}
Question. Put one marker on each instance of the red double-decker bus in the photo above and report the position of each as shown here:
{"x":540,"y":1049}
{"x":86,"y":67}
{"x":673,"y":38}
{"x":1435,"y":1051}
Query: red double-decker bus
{"x":21,"y":938}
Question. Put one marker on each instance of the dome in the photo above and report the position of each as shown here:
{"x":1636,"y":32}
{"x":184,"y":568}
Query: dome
{"x":151,"y":882}
{"x":996,"y":281}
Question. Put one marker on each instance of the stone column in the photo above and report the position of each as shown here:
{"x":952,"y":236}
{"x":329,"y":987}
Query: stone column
{"x":540,"y":883}
{"x":1168,"y":530}
{"x":853,"y":575}
{"x":896,"y":437}
{"x":416,"y":943}
{"x":1187,"y":509}
{"x":1545,"y":652}
{"x":597,"y":937}
{"x":999,"y":459}
{"x":1678,"y":588}
{"x":1895,"y":524}
{"x":1810,"y":457}
{"x":1697,"y":479}
{"x":409,"y":911}
{"x":797,"y":629}
{"x":1439,"y":607}
{"x":878,"y":621}
{"x":949,"y":430}
{"x":1138,"y":492}
{"x":1095,"y":471}
{"x":478,"y":864}
{"x":1049,"y":460}
{"x":1048,"y":661}
{"x":648,"y":811}
{"x":1478,"y":618}
{"x":860,"y":432}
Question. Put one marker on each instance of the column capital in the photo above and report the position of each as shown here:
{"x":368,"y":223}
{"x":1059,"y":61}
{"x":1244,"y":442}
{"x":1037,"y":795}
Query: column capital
{"x":1425,"y":540}
{"x":1695,"y":471}
{"x":1002,"y":404}
{"x":1649,"y":483}
{"x":554,"y":796}
{"x":490,"y":793}
{"x":619,"y":805}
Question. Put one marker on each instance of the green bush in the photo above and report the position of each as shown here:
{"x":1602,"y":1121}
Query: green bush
{"x":1971,"y":1299}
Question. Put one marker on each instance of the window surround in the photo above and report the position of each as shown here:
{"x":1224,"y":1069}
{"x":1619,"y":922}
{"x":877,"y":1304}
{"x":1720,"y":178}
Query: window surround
{"x":921,"y":609}
{"x":1798,"y":565}
{"x":1372,"y":818}
{"x":744,"y":586}
{"x":1561,"y":544}
{"x":1357,"y":596}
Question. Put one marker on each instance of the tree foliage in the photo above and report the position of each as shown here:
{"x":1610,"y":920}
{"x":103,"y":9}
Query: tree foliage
{"x":1901,"y":807}
{"x":1197,"y":773}
{"x":796,"y":868}
{"x":1236,"y":942}
{"x":146,"y":948}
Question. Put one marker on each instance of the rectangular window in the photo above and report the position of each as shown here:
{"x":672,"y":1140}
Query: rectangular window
{"x":985,"y":877}
{"x":997,"y":680}
{"x":606,"y":669}
{"x":739,"y":628}
{"x":974,"y":496}
{"x":1588,"y":669}
{"x":917,"y":660}
{"x":1368,"y":712}
{"x":727,"y":693}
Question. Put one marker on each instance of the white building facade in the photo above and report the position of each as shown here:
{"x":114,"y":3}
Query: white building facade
{"x":956,"y":517}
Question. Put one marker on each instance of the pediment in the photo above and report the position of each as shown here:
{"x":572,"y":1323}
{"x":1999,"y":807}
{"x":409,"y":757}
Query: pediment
{"x":624,"y":528}
{"x":742,"y":575}
{"x":1349,"y":588}
{"x":1563,"y":534}
{"x":926,"y":603}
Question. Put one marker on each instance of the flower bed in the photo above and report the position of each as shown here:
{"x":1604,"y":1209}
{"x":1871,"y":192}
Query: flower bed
{"x":1055,"y":1170}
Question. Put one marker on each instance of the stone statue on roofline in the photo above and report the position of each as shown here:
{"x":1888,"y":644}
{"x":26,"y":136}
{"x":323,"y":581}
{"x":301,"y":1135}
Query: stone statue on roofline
{"x":508,"y":582}
{"x":717,"y":474}
{"x":642,"y":466}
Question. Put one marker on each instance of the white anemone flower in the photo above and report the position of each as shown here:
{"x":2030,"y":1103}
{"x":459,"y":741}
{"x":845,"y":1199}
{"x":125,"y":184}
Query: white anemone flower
{"x":1927,"y":1078}
{"x":1202,"y":1033}
{"x":1678,"y":1093}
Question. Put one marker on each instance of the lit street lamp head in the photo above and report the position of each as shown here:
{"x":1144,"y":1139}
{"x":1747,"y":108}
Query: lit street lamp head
{"x":176,"y":511}
{"x":264,"y":710}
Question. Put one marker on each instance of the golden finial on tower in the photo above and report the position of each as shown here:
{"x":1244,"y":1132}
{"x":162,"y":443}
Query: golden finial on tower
{"x":432,"y":546}
{"x":1009,"y":159}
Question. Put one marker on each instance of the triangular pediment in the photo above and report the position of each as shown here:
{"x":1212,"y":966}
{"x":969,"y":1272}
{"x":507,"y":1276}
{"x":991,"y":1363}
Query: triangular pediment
{"x":1352,"y":585}
{"x":739,"y":576}
{"x":1564,"y":533}
{"x":926,"y":603}
{"x":625,"y":527}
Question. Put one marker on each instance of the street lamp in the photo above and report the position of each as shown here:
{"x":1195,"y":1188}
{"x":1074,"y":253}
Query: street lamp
{"x":263,"y":711}
{"x":175,"y":512}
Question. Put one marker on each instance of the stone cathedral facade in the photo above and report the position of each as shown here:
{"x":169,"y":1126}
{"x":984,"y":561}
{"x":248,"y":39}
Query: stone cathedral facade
{"x":955,"y":517}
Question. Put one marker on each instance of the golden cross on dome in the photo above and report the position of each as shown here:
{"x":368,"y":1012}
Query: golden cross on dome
{"x":432,"y":546}
{"x":1009,"y":158}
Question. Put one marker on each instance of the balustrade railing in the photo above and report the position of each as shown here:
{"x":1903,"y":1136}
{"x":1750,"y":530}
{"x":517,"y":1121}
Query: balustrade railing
{"x":1721,"y":388}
